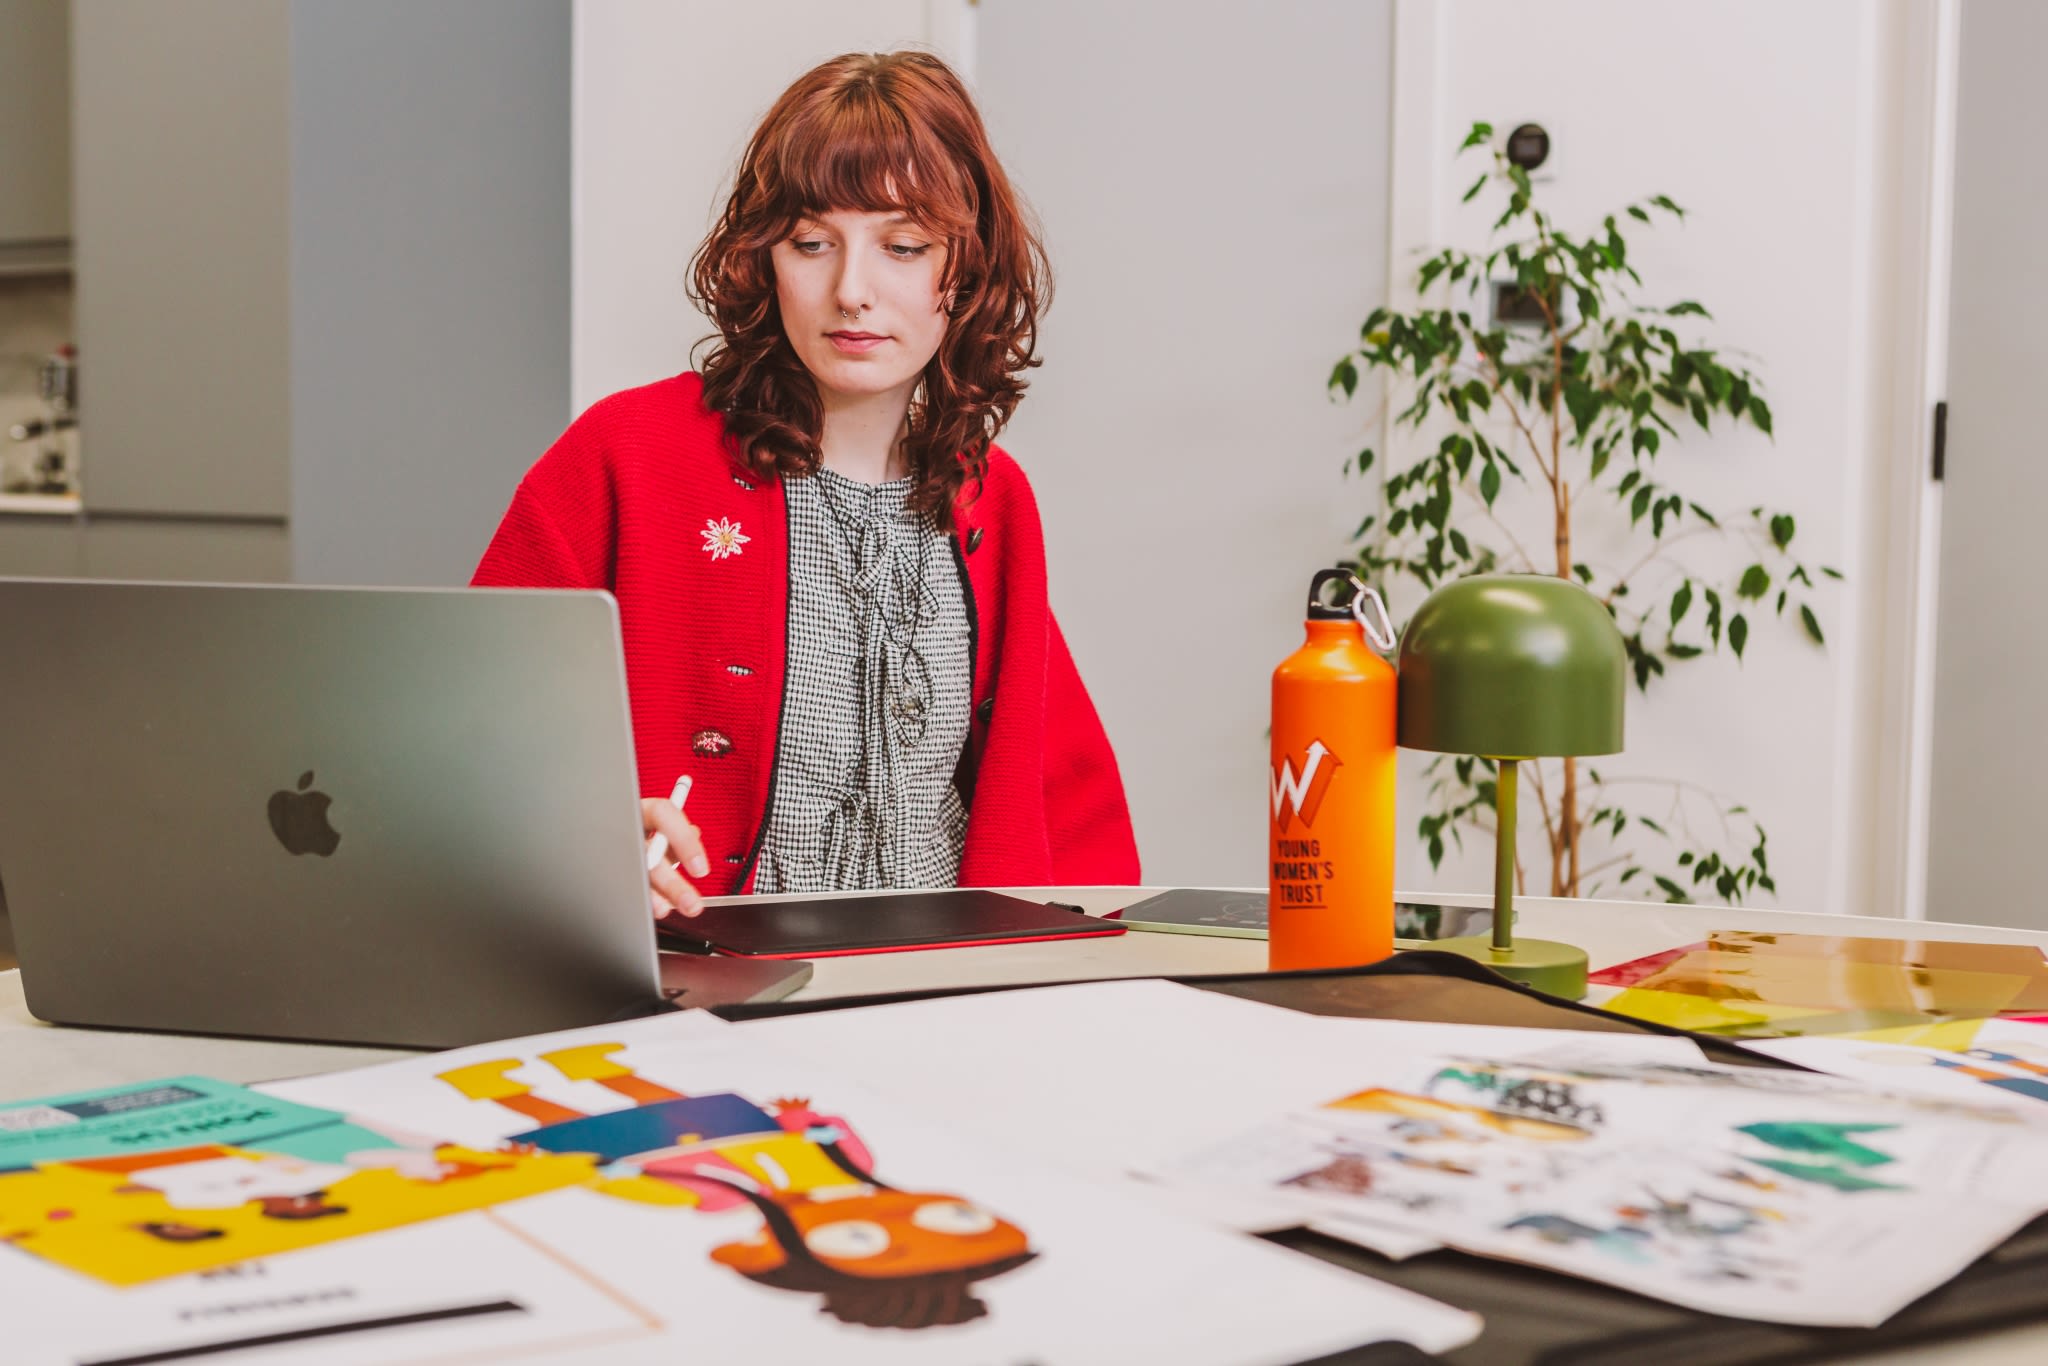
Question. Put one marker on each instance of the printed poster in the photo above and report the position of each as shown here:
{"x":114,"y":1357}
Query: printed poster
{"x":134,"y":1184}
{"x":1760,"y":1194}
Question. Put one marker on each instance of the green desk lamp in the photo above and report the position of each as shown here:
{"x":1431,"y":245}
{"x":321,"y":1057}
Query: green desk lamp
{"x":1512,"y":667}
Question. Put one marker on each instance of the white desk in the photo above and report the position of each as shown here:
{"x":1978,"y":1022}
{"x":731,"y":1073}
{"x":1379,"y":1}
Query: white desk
{"x":40,"y":1059}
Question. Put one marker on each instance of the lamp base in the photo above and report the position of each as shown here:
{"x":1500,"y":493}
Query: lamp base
{"x":1551,"y":967}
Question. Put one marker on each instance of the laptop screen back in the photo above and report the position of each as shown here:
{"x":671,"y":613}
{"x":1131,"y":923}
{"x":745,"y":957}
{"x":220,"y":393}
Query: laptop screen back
{"x":372,"y":815}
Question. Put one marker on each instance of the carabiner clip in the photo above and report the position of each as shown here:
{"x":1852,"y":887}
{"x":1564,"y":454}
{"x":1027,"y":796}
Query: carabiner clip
{"x":1382,"y":637}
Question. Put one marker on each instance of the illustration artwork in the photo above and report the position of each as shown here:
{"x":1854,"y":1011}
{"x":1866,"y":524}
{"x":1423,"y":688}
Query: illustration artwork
{"x":139,"y":1217}
{"x":878,"y":1255}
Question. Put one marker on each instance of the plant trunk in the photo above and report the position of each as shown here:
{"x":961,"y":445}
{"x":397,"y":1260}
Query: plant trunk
{"x":1564,"y":862}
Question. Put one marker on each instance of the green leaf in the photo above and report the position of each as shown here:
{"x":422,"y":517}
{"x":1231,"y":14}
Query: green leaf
{"x":1477,"y":186}
{"x":1345,"y":376}
{"x":1365,"y":460}
{"x":1812,"y":624}
{"x":1643,"y":441}
{"x":1687,"y":307}
{"x":1781,"y":529}
{"x":1489,"y":482}
{"x":1661,"y":201}
{"x":1738,"y":633}
{"x":1480,"y":133}
{"x":1635,"y":211}
{"x":1756,"y":581}
{"x":1639,"y":505}
{"x":1760,"y":414}
{"x":1681,"y":602}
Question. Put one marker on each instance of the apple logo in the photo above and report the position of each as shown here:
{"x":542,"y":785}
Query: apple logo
{"x":300,"y":819}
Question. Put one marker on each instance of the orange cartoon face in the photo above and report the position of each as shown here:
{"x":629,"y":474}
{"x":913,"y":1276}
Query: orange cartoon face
{"x":884,"y":1234}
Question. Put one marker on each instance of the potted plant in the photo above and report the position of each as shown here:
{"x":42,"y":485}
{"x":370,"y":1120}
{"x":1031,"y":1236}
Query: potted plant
{"x":1554,"y":395}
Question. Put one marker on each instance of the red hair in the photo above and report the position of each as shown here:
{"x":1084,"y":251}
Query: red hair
{"x":891,"y":132}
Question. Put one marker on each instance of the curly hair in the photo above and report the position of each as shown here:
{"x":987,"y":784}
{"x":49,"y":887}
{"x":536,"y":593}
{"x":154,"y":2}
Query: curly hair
{"x":890,"y":132}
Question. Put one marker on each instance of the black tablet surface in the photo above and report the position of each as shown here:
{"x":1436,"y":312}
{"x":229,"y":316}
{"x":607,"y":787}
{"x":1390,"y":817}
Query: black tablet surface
{"x":779,"y":927}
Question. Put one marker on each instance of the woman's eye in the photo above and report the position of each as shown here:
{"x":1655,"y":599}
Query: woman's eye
{"x":953,"y":1216}
{"x":849,"y":1239}
{"x":807,"y":246}
{"x":904,"y":251}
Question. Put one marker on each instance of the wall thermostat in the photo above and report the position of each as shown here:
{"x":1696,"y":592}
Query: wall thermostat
{"x":1529,"y":146}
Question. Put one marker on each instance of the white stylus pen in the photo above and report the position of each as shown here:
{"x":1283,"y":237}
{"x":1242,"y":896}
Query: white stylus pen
{"x":657,"y":848}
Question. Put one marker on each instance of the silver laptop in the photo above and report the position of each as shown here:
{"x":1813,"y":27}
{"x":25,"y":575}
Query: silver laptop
{"x":389,"y":816}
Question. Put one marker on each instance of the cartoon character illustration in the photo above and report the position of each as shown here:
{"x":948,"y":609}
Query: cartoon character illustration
{"x":1706,"y":1235}
{"x":1432,"y":1117}
{"x":879,"y":1255}
{"x":142,"y":1216}
{"x":1507,"y":1090}
{"x":1559,"y":1230}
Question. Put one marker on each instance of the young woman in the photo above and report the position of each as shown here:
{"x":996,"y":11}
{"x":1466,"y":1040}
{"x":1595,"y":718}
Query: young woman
{"x":832,"y":583}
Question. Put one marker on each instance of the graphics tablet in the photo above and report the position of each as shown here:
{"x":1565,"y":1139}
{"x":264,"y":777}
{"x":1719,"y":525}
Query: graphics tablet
{"x":780,"y":927}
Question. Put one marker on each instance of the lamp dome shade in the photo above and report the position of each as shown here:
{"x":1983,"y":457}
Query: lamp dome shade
{"x":1512,"y":666}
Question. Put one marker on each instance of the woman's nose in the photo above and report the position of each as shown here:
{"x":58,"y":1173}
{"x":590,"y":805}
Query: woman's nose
{"x":851,"y":293}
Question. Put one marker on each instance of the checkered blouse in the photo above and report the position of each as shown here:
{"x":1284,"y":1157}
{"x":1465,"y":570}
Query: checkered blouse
{"x":875,"y":711}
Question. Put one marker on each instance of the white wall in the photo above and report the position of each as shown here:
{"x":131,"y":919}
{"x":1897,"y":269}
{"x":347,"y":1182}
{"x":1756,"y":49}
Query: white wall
{"x":1780,"y":128}
{"x":666,"y":94}
{"x":1212,"y":180}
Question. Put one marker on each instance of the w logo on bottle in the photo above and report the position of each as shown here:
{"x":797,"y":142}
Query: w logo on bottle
{"x":1301,"y":793}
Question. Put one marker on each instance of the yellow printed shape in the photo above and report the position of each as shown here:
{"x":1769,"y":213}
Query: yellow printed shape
{"x":648,"y":1190}
{"x":589,"y":1062}
{"x":487,"y":1080}
{"x":1951,"y":1036}
{"x":774,"y":1162}
{"x":1684,"y":1011}
{"x":104,"y":1224}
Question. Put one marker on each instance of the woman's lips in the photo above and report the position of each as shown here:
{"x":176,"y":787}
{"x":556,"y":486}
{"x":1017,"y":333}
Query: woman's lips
{"x":853,"y":343}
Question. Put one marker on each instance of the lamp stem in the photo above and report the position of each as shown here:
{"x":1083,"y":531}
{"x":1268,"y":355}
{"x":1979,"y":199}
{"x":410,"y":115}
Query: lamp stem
{"x":1504,"y":854}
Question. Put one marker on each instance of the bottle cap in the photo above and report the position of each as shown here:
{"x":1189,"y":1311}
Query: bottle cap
{"x":1351,"y":605}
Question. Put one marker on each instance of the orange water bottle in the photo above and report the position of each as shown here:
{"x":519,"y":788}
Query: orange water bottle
{"x":1330,"y":845}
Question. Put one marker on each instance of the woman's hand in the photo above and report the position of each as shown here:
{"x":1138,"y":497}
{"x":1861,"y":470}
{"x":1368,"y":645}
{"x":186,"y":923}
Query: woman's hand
{"x":668,"y":891}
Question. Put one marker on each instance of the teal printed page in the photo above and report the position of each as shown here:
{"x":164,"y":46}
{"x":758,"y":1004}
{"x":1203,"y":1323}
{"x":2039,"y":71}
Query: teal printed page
{"x":173,"y":1112}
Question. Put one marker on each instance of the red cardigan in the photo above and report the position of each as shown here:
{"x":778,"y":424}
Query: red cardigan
{"x":644,"y":496}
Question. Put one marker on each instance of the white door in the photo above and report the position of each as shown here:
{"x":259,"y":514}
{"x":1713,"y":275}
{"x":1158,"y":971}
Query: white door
{"x":1990,"y":750}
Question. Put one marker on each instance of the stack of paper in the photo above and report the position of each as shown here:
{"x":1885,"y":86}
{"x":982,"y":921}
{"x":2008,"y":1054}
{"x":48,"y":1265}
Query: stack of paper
{"x":1055,"y":1175}
{"x":693,"y":1190}
{"x":1626,"y":1159}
